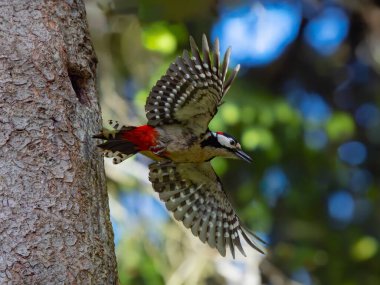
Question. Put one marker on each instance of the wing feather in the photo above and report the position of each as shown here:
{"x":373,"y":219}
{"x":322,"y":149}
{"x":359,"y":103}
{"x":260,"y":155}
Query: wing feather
{"x":192,"y":88}
{"x":216,"y":55}
{"x":230,"y":79}
{"x":221,"y":240}
{"x":204,"y":228}
{"x":211,"y":231}
{"x":206,"y":53}
{"x":195,"y":51}
{"x":194,"y":194}
{"x":226,"y":62}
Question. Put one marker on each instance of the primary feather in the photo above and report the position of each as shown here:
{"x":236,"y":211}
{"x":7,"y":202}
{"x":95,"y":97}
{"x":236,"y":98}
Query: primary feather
{"x":191,"y":90}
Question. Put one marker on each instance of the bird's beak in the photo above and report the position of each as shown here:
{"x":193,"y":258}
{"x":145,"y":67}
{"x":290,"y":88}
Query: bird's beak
{"x":242,"y":155}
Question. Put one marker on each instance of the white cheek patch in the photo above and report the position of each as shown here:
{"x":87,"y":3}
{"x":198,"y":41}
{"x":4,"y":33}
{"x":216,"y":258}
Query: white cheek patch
{"x":224,"y":141}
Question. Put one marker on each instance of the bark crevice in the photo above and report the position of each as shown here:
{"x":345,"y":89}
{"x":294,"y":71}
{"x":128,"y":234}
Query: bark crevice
{"x":79,"y":85}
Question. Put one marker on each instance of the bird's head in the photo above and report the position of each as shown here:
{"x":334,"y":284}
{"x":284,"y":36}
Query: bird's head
{"x":225,"y":145}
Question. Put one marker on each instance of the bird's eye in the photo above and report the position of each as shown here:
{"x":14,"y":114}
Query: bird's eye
{"x":232,"y":142}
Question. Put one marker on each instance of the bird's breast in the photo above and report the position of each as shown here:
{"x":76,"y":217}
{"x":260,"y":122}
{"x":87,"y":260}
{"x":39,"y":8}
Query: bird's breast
{"x":194,"y":153}
{"x":181,"y":145}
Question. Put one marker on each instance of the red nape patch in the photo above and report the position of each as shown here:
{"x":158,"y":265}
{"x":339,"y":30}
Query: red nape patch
{"x":220,"y":133}
{"x":143,"y":137}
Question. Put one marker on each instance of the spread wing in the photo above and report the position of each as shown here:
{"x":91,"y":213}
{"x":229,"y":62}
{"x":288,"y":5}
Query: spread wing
{"x":191,"y":90}
{"x":194,"y":193}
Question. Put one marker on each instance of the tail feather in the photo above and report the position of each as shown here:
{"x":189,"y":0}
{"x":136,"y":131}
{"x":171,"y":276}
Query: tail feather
{"x":99,"y":136}
{"x":119,"y":145}
{"x":115,"y":145}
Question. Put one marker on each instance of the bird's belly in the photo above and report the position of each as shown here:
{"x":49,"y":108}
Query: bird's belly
{"x":187,"y":155}
{"x":193,"y":154}
{"x":180,"y":145}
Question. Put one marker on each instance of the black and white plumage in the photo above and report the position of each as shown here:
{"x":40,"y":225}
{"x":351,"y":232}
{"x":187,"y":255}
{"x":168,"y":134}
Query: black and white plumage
{"x":179,"y":109}
{"x":192,"y":89}
{"x":189,"y":95}
{"x":194,"y":193}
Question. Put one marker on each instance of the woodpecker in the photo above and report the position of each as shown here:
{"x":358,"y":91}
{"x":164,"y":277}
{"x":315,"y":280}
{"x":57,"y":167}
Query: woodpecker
{"x":179,"y":109}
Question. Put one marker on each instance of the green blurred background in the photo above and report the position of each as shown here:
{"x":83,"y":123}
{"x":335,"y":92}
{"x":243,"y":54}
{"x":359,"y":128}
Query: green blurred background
{"x":305,"y":106}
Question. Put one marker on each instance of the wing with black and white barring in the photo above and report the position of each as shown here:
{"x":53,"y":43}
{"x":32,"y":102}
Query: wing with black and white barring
{"x":194,"y":193}
{"x":191,"y":90}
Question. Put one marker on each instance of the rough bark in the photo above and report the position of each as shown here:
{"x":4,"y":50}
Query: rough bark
{"x":54,"y":216}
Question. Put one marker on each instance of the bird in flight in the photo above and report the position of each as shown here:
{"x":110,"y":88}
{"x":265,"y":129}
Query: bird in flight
{"x":177,"y":137}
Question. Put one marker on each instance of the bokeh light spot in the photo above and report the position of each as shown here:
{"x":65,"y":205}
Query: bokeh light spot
{"x":365,"y":248}
{"x":368,"y":115}
{"x":353,"y":152}
{"x":256,"y":28}
{"x":230,"y":113}
{"x":274,"y":184}
{"x":341,"y":206}
{"x":313,"y":108}
{"x":327,"y":31}
{"x":340,"y":126}
{"x":158,"y":37}
{"x":284,"y":113}
{"x":257,"y":138}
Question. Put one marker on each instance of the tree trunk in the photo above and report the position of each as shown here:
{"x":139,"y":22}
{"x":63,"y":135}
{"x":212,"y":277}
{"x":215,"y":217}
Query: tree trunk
{"x":54,"y":216}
